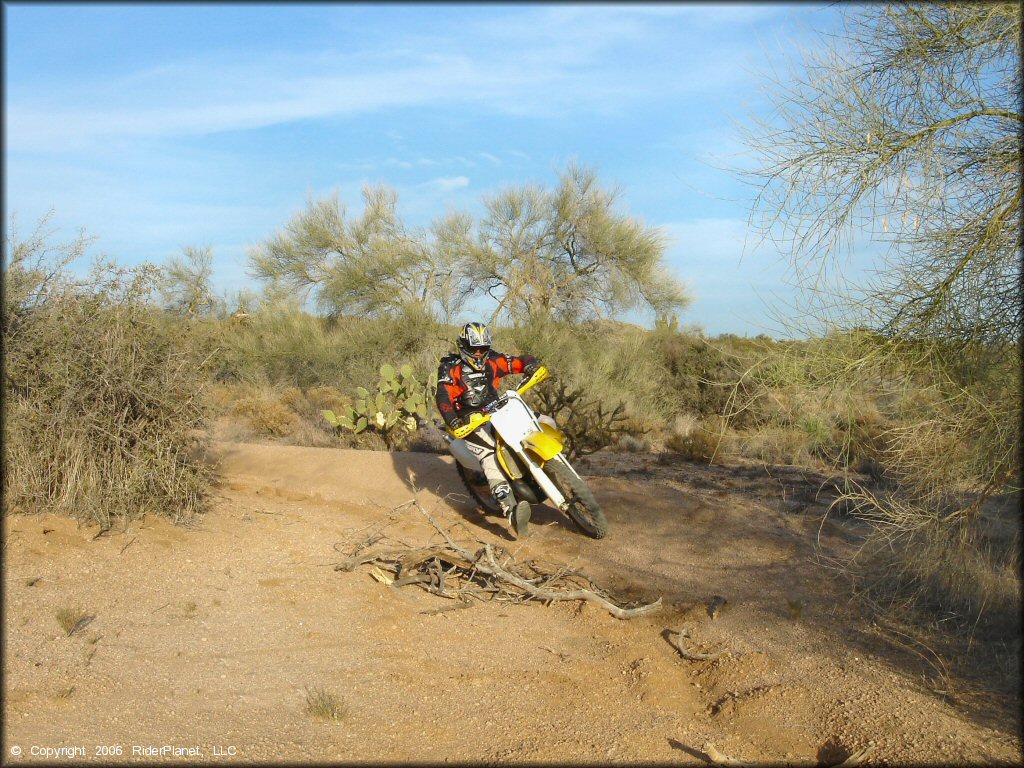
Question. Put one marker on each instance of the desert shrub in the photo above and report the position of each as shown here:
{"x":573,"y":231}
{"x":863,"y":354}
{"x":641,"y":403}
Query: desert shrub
{"x":221,"y":397}
{"x":294,"y":399}
{"x":937,"y":429}
{"x":708,"y":441}
{"x":773,"y":445}
{"x":609,"y":361}
{"x":630,"y":444}
{"x":278,"y":345}
{"x":281,"y":344}
{"x":967,"y":576}
{"x":587,"y":423}
{"x":860,"y":433}
{"x":266,"y":414}
{"x":101,"y":393}
{"x":701,"y":374}
{"x":818,"y":437}
{"x":327,"y":398}
{"x":280,"y":413}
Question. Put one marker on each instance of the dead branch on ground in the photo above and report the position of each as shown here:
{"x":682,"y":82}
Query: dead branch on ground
{"x":722,"y":759}
{"x":855,"y":758}
{"x":488,"y":573}
{"x":719,"y":758}
{"x":681,"y":647}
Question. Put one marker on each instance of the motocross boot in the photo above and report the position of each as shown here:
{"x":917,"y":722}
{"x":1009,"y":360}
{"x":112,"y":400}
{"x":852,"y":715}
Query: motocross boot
{"x":502,"y":493}
{"x":518,"y":514}
{"x":520,"y":519}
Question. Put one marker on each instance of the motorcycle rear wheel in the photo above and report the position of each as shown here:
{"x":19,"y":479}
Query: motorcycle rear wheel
{"x":583,"y":507}
{"x":479,"y":490}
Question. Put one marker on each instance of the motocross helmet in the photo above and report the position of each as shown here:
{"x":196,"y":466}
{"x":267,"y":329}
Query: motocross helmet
{"x":474,"y":343}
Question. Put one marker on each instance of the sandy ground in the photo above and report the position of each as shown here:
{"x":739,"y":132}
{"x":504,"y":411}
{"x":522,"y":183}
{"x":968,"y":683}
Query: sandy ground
{"x":203,"y":643}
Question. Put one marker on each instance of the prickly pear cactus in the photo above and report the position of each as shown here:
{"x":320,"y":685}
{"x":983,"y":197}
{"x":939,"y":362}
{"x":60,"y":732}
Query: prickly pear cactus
{"x":390,"y":410}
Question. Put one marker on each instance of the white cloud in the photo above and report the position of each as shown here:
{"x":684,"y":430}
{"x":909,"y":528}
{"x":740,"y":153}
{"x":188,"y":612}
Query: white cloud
{"x":448,"y":183}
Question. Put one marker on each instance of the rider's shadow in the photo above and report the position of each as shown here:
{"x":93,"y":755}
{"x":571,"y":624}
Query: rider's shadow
{"x":436,"y":473}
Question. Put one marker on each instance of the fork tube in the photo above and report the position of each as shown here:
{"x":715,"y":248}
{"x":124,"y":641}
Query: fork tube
{"x":545,"y":482}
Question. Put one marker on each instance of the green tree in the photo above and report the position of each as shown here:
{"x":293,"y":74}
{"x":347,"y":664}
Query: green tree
{"x":905,"y":131}
{"x":566,"y":253}
{"x":370,"y":265}
{"x":185,"y":287}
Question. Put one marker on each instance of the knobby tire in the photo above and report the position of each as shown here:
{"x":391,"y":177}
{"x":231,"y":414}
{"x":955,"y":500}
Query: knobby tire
{"x":583,"y":507}
{"x":479,"y":490}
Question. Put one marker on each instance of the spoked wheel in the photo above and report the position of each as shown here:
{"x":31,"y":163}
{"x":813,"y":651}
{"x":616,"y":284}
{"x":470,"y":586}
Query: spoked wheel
{"x":583,"y":507}
{"x":479,"y":489}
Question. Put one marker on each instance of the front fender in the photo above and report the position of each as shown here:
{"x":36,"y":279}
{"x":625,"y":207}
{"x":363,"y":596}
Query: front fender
{"x":546,"y":444}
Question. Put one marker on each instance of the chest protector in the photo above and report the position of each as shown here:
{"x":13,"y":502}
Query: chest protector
{"x":479,"y":391}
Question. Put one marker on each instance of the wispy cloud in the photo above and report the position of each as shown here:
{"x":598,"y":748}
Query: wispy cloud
{"x":545,"y":61}
{"x":448,"y":183}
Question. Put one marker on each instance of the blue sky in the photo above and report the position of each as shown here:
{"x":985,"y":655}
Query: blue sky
{"x":156,"y":127}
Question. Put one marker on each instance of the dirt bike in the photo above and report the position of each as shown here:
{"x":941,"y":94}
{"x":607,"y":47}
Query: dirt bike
{"x":529,"y":450}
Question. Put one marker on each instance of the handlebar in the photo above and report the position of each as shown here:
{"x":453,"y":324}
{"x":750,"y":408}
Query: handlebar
{"x":477,"y":419}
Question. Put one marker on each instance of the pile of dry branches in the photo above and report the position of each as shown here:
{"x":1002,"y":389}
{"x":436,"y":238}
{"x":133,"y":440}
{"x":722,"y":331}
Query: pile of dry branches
{"x":488,"y":573}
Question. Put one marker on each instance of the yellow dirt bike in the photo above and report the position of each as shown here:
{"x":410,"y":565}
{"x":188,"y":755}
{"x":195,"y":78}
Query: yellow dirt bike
{"x":530,"y":454}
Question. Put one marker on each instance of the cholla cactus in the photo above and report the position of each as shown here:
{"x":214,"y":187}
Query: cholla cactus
{"x":399,"y":399}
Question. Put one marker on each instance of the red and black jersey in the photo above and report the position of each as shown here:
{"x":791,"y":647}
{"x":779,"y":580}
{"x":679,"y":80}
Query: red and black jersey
{"x":461,"y":390}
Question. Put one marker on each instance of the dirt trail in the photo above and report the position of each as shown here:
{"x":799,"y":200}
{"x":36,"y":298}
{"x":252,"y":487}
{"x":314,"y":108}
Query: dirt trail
{"x":206,"y":639}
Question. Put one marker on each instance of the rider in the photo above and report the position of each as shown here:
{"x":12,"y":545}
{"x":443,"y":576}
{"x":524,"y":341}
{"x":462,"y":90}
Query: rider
{"x":466,"y":382}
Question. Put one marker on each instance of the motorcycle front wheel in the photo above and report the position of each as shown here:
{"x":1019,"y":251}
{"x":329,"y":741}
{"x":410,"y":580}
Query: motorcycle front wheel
{"x":479,"y":490}
{"x":583,"y":507}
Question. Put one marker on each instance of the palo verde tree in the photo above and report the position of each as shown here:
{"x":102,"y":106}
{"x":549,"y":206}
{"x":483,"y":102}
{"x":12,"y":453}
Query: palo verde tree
{"x":185,"y":287}
{"x":907,"y":129}
{"x":371,"y":265}
{"x":903,"y":132}
{"x":566,"y":253}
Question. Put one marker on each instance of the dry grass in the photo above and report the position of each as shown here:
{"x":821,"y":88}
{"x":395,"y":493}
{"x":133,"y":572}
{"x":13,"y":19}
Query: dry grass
{"x":774,"y":445}
{"x":324,"y":705}
{"x":327,"y":398}
{"x":72,"y":620}
{"x":285,"y":414}
{"x":708,"y":441}
{"x":266,"y":414}
{"x":630,"y":444}
{"x":959,"y":569}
